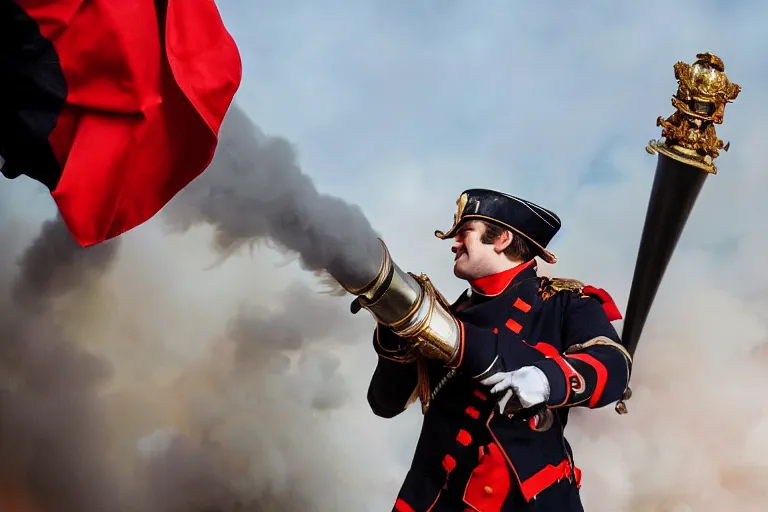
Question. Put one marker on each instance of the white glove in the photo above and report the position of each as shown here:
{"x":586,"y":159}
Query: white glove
{"x":529,"y":384}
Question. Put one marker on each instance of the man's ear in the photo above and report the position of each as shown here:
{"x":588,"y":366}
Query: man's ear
{"x":503,"y":241}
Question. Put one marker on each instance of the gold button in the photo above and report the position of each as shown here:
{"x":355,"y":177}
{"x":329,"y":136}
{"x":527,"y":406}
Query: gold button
{"x":488,"y":489}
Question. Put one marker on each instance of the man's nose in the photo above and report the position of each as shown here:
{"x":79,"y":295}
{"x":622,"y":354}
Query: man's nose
{"x":455,"y":248}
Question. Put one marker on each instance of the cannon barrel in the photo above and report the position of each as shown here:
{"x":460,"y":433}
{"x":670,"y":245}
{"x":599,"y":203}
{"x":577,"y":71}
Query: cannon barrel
{"x":411,"y":307}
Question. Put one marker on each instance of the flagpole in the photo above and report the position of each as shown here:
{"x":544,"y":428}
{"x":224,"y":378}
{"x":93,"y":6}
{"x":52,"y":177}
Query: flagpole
{"x":685,"y":159}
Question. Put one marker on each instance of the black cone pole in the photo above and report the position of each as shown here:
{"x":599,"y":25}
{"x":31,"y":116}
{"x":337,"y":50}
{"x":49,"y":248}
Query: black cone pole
{"x":686,"y":157}
{"x":675,"y":189}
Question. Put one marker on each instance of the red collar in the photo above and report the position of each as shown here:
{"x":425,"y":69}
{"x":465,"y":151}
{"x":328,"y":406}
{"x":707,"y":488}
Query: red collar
{"x":494,"y":284}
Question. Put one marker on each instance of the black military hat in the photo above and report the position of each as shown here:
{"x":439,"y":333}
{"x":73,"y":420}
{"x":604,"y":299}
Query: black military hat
{"x":536,"y":224}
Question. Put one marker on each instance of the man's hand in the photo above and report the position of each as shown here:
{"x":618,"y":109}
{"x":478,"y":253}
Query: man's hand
{"x":528,"y":385}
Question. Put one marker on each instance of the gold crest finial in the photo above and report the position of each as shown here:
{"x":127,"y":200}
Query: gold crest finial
{"x":703,"y":90}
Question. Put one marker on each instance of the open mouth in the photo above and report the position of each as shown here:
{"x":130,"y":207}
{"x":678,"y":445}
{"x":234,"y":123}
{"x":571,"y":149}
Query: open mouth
{"x":459,"y":254}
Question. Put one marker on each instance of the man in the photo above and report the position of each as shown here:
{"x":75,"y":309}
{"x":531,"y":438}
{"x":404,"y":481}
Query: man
{"x":494,"y":440}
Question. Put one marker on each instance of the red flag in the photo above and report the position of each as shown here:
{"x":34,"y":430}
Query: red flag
{"x":114,"y":105}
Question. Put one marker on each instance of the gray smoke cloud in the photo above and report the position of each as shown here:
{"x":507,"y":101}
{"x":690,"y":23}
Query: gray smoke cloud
{"x":54,"y":264}
{"x":255,"y":189}
{"x":107,"y":409}
{"x":263,"y":339}
{"x":105,"y":405}
{"x":51,"y":435}
{"x":64,"y":382}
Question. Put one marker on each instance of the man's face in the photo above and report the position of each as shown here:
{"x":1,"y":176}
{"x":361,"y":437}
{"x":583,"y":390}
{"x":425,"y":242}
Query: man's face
{"x":473,"y":259}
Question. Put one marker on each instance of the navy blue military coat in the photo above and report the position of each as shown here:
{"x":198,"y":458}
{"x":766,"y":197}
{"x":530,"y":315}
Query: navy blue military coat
{"x":470,"y":457}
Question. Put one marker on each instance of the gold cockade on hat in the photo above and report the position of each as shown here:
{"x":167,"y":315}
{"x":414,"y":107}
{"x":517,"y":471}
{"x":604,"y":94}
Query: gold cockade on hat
{"x":461,"y":204}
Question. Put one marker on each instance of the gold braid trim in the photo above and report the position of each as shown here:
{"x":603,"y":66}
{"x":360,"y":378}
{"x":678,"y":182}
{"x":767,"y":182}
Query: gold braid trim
{"x":552,"y":285}
{"x":600,"y":340}
{"x":422,"y":391}
{"x":423,"y":387}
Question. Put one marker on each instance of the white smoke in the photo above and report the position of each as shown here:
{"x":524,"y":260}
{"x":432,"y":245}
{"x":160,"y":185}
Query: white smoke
{"x":238,"y":359}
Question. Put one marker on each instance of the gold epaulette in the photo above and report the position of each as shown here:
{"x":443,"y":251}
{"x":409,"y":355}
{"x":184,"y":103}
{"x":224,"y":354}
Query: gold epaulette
{"x":551,"y":285}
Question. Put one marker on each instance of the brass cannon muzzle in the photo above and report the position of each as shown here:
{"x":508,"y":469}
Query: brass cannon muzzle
{"x":412,"y":308}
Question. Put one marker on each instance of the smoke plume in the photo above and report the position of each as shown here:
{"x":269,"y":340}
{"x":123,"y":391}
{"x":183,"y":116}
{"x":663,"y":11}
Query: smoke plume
{"x":51,"y":436}
{"x":125,"y":387}
{"x":255,"y":189}
{"x":121,"y":391}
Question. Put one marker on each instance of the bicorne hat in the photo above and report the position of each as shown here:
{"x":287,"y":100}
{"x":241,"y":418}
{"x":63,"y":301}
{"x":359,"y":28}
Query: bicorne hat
{"x":536,"y":224}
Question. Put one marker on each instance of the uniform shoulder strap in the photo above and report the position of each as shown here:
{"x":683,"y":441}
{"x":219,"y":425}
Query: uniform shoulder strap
{"x":550,"y":286}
